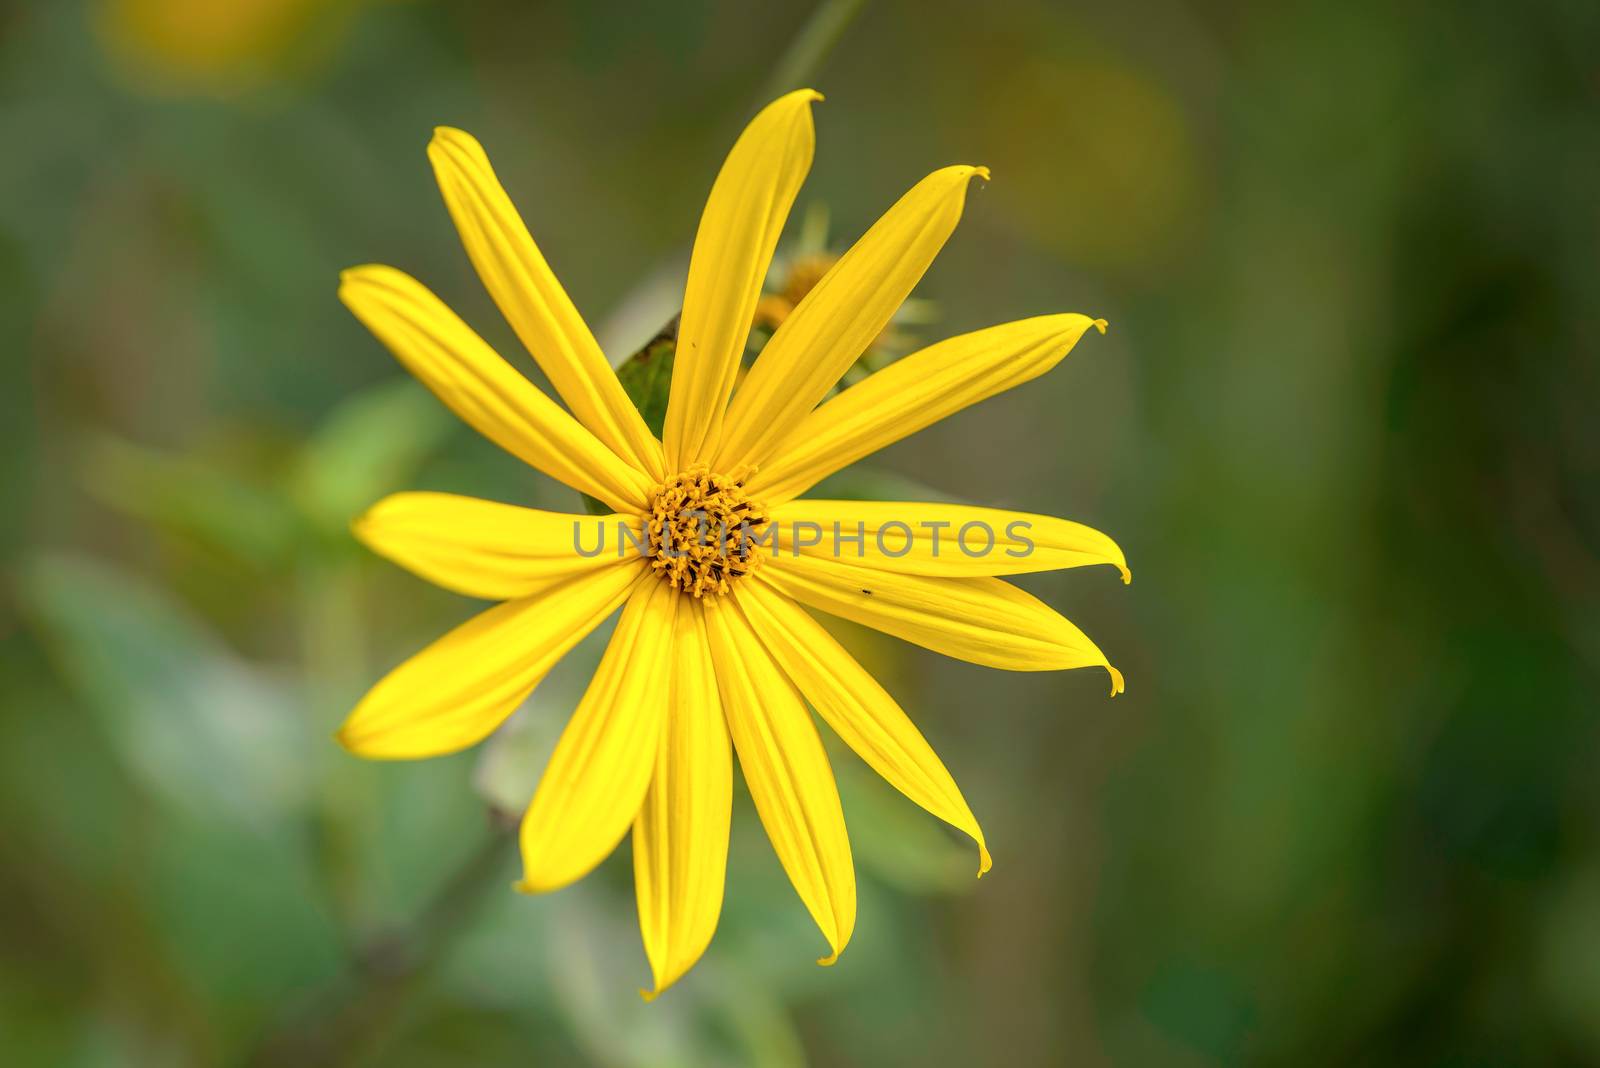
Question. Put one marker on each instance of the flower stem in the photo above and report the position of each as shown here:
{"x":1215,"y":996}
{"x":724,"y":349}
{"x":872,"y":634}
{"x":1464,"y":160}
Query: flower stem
{"x":811,"y":46}
{"x":347,"y":1024}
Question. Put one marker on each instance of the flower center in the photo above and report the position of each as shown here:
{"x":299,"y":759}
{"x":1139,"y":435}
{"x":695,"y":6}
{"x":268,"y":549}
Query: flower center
{"x":703,"y":530}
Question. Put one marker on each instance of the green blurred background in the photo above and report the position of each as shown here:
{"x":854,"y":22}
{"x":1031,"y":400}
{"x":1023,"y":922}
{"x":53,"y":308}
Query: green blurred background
{"x":1343,"y":425}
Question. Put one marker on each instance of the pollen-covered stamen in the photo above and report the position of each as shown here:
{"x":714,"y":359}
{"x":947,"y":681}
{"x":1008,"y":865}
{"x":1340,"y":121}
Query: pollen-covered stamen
{"x":703,"y":530}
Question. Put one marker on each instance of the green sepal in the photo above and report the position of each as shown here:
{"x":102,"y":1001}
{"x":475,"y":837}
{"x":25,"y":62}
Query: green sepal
{"x":646,"y":377}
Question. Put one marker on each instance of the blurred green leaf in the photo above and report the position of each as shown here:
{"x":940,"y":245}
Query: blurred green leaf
{"x":594,"y":955}
{"x":367,"y":448}
{"x":193,"y":496}
{"x":511,"y":761}
{"x":1569,"y":953}
{"x":897,"y":841}
{"x":242,"y":914}
{"x":198,"y":727}
{"x":863,"y":482}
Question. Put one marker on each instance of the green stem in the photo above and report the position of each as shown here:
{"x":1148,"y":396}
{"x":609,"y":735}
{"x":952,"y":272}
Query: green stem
{"x":390,"y":968}
{"x":822,"y":31}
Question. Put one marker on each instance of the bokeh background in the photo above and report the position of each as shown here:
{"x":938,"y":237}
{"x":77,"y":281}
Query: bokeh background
{"x":1343,"y":424}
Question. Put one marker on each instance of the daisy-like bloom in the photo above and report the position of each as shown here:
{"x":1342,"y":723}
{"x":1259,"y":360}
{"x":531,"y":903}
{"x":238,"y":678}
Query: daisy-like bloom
{"x":712,"y":646}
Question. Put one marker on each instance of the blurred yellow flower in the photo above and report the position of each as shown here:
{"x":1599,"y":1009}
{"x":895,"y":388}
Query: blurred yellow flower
{"x":796,"y":271}
{"x":799,"y":278}
{"x":1116,"y":184}
{"x":713,"y":643}
{"x":218,"y":43}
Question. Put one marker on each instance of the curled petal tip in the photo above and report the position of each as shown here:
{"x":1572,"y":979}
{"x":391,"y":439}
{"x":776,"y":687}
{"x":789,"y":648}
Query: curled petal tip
{"x":981,"y":172}
{"x":829,"y":960}
{"x":1127,"y":576}
{"x":804,"y":97}
{"x":1100,"y":325}
{"x":648,"y":995}
{"x":985,"y":861}
{"x":1117,"y":685}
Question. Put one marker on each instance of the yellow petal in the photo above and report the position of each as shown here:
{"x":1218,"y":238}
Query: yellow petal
{"x":516,"y":275}
{"x":680,"y":838}
{"x":787,"y":771}
{"x":837,"y":320}
{"x":495,"y":551}
{"x":596,"y":779}
{"x":858,"y":709}
{"x":460,"y":688}
{"x":480,"y":387}
{"x":982,"y":620}
{"x":913,"y":393}
{"x":953,"y":540}
{"x":738,"y":231}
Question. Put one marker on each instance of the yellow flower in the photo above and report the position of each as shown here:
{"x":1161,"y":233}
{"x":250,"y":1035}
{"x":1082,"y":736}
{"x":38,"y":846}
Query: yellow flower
{"x":221,"y":46}
{"x":711,"y":645}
